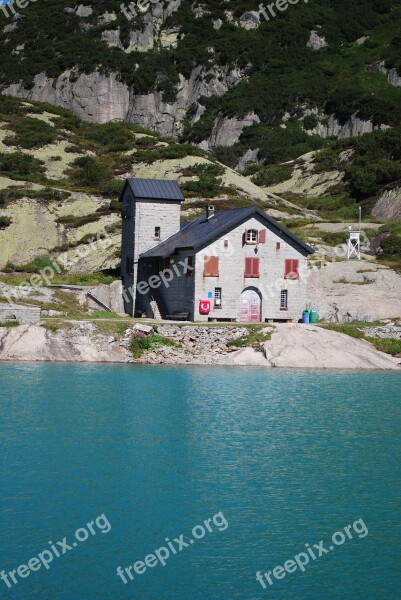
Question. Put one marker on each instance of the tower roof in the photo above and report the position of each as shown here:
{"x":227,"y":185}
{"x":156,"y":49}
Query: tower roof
{"x":155,"y":189}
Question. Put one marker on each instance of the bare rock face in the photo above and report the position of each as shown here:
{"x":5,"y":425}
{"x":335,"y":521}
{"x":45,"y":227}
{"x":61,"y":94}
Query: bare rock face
{"x":227,"y":131}
{"x":392,"y":75}
{"x":394,"y":78}
{"x":354,"y":127}
{"x":307,"y":346}
{"x":388,"y":206}
{"x":316,"y":42}
{"x":250,"y":20}
{"x":79,"y":343}
{"x":96,"y":97}
{"x":355,"y":290}
{"x":250,"y":156}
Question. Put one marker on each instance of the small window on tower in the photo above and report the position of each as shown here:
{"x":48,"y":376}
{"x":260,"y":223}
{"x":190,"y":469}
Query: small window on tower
{"x":157,"y":233}
{"x":284,"y":300}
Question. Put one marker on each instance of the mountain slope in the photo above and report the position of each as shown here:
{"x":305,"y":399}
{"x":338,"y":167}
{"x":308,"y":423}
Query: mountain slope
{"x":213,"y":73}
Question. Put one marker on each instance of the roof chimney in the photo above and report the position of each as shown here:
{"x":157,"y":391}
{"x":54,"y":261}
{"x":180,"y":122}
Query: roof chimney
{"x":209,"y":212}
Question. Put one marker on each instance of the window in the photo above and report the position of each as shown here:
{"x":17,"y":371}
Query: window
{"x":225,"y":243}
{"x":157,"y":233}
{"x":252,"y":267}
{"x":211,"y":266}
{"x":278,"y":246}
{"x":252,"y":236}
{"x":284,"y":300}
{"x":129,"y":265}
{"x":291,"y":269}
{"x":217,"y":297}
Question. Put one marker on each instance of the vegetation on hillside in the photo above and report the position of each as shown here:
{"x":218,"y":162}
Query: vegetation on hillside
{"x":280,"y":74}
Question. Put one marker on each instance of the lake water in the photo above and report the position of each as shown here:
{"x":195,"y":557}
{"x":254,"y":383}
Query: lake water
{"x":287,"y":457}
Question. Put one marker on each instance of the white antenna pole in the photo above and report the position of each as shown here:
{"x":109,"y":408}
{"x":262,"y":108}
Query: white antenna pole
{"x":360,"y":218}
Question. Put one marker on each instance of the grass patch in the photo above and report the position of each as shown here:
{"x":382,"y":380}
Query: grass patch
{"x":74,"y":221}
{"x":35,"y":266}
{"x":140,"y":344}
{"x":387,"y":345}
{"x":83,"y":279}
{"x":9,"y":324}
{"x":254,"y":339}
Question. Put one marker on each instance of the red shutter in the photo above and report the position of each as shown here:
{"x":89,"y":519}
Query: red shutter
{"x":262,"y":236}
{"x":291,"y":269}
{"x":255,"y":269}
{"x":295,"y":269}
{"x":252,"y":267}
{"x":211,"y":266}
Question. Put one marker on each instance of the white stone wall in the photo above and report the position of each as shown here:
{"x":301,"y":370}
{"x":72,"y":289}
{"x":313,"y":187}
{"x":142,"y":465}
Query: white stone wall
{"x":232,"y":278}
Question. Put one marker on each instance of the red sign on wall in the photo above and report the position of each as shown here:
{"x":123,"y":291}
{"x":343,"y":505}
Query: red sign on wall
{"x":204,"y":307}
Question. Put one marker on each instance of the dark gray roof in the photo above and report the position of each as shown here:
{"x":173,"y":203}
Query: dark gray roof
{"x":201,"y":232}
{"x":155,"y":189}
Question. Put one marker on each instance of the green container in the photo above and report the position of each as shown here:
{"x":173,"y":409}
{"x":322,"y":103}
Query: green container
{"x":313,"y":316}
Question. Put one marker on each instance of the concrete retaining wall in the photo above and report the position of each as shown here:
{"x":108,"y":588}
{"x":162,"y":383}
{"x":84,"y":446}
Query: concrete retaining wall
{"x":23,"y":314}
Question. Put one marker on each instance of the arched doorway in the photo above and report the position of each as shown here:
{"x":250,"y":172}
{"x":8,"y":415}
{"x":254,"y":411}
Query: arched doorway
{"x":251,"y":306}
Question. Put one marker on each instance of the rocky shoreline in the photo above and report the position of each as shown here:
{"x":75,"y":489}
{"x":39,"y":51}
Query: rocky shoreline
{"x":284,"y":345}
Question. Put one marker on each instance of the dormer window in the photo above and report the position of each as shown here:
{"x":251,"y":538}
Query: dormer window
{"x":252,"y":236}
{"x":157,"y":233}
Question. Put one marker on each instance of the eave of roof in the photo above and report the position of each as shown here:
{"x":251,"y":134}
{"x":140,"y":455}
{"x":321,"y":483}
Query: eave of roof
{"x":202,"y":231}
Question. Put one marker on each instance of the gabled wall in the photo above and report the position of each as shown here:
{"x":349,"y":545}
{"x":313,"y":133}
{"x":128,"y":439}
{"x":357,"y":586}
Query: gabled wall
{"x":232,"y":278}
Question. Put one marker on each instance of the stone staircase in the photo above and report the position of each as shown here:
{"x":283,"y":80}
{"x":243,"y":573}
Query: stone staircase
{"x":158,"y":305}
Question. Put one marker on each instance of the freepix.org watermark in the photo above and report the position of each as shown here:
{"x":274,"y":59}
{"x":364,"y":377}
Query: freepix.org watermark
{"x":301,"y":560}
{"x":57,"y":549}
{"x":172,"y":547}
{"x":101,"y":241}
{"x":270,"y":11}
{"x":130,"y":11}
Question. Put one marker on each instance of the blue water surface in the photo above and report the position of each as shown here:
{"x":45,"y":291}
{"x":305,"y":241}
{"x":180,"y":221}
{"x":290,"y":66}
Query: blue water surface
{"x":288,"y":457}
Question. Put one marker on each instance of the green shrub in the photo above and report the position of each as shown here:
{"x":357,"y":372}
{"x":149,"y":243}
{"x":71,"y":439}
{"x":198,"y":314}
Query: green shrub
{"x":77,"y":221}
{"x":391,"y":245}
{"x":112,"y":188}
{"x":207,"y":186}
{"x":32,"y":133}
{"x":141,"y":343}
{"x":114,"y":137}
{"x":205,"y":169}
{"x":73,"y":149}
{"x":310,"y":122}
{"x":5,"y":222}
{"x":91,"y":170}
{"x":17,"y":164}
{"x":272,"y":176}
{"x":35,"y":266}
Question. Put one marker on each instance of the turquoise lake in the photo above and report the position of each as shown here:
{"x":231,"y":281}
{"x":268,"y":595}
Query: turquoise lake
{"x":288,"y":457}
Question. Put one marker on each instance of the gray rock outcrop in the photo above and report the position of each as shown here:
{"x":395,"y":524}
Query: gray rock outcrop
{"x":316,"y":42}
{"x":388,"y":206}
{"x":295,"y":346}
{"x":355,"y":290}
{"x":227,"y":131}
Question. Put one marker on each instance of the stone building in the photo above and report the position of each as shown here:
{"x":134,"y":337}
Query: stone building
{"x":237,"y":265}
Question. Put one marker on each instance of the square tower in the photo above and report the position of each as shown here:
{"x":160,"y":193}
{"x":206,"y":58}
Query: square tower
{"x":151,"y":210}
